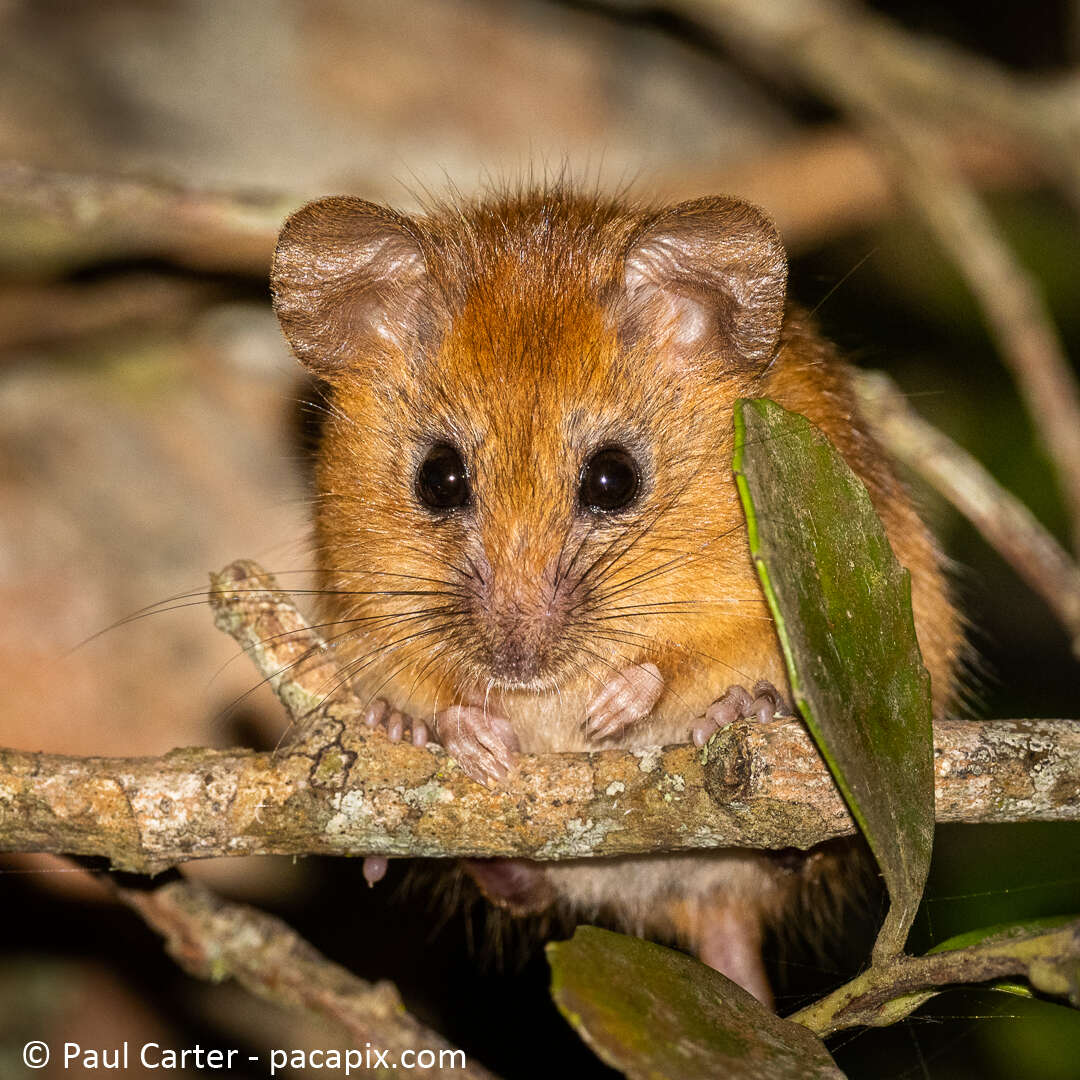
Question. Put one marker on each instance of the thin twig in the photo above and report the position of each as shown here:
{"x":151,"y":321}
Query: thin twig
{"x":1047,"y":956}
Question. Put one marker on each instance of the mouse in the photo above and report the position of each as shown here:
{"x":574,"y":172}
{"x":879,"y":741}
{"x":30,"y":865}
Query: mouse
{"x":526,"y":525}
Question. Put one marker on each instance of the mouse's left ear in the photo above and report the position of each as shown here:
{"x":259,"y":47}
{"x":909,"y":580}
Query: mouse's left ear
{"x":711,"y":275}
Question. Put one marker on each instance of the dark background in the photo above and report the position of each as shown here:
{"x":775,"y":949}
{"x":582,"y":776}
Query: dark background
{"x":150,"y":431}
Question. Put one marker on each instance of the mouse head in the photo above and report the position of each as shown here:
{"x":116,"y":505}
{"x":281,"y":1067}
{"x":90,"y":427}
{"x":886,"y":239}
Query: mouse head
{"x":525,"y":474}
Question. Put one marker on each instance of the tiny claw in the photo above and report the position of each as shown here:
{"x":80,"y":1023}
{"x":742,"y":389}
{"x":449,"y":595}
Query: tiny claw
{"x":377,"y":710}
{"x":395,"y":725}
{"x":482,"y":742}
{"x":374,"y":869}
{"x":623,"y":700}
{"x":737,"y":703}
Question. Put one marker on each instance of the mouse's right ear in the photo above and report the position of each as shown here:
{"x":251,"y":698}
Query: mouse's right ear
{"x":350,"y":284}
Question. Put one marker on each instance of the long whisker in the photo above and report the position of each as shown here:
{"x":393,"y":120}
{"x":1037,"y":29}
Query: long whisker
{"x":317,"y":648}
{"x":377,"y":655}
{"x":350,"y":623}
{"x":618,"y":633}
{"x":682,"y":556}
{"x":660,"y":609}
{"x":197,"y":598}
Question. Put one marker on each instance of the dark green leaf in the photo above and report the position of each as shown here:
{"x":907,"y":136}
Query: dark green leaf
{"x":842,"y":605}
{"x":657,"y":1014}
{"x":988,"y":935}
{"x":1049,"y":947}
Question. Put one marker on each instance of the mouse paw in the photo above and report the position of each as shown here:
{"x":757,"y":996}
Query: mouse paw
{"x":623,"y":700}
{"x":737,"y":703}
{"x":481,"y":741}
{"x":396,"y":724}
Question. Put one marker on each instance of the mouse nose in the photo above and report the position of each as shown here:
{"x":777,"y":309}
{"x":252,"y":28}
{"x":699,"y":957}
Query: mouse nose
{"x":522,"y":619}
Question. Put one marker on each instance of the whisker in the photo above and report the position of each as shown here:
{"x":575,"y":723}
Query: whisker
{"x":375,"y":655}
{"x":306,"y":655}
{"x":658,"y":609}
{"x":197,"y":598}
{"x":611,"y":633}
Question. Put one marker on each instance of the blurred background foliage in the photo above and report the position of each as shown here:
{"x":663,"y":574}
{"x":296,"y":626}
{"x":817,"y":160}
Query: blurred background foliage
{"x":152,"y":429}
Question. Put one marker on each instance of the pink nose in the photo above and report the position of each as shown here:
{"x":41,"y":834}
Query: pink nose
{"x":521,"y":630}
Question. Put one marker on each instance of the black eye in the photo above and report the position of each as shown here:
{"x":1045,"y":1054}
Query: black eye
{"x":609,"y":481}
{"x":441,"y":481}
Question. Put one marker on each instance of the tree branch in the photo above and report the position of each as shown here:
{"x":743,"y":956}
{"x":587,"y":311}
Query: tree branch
{"x":1049,"y":958}
{"x":344,"y":789}
{"x":212,"y":938}
{"x":56,"y":219}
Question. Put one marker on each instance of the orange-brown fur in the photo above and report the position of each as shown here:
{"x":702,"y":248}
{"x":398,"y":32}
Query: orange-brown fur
{"x":523,"y":357}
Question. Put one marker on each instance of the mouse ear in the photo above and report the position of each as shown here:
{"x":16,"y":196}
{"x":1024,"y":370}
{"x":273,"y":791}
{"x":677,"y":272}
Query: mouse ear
{"x":349,"y":281}
{"x":712,"y":273}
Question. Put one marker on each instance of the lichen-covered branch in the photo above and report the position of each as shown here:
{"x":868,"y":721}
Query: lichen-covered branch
{"x":344,"y":789}
{"x":212,"y":938}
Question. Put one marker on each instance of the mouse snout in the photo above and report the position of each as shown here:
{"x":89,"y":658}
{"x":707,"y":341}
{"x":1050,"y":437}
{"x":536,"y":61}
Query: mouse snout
{"x":524,"y":618}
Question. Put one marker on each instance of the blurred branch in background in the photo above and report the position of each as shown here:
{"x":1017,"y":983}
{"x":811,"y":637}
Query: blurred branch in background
{"x":52,"y":222}
{"x":214,"y":939}
{"x":815,"y":187}
{"x":1000,"y":517}
{"x":50,"y":313}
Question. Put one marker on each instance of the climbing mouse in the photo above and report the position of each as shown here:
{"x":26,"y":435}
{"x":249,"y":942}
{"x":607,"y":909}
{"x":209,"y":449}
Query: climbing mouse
{"x":526,"y":524}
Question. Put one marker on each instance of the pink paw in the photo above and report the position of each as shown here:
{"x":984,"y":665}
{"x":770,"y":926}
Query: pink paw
{"x":737,"y":703}
{"x":481,"y":741}
{"x":396,"y":723}
{"x":626,"y":698}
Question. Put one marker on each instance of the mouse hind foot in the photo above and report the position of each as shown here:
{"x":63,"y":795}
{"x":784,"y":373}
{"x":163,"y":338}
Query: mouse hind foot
{"x":478,"y":738}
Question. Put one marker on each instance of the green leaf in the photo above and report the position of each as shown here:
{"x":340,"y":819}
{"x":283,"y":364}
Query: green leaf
{"x":1050,"y":968}
{"x":842,"y":606}
{"x":989,"y":935}
{"x":658,"y":1014}
{"x":1046,"y":952}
